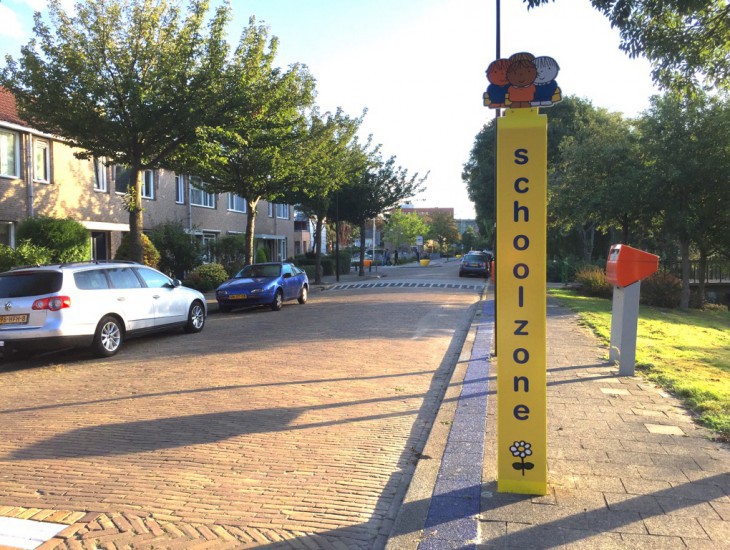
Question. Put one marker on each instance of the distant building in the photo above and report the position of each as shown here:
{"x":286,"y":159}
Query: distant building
{"x":463,"y":225}
{"x":426,"y":212}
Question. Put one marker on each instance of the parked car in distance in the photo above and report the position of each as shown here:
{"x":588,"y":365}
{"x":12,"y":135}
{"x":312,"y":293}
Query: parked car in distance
{"x":268,"y":284}
{"x":96,"y":303}
{"x":474,"y":263}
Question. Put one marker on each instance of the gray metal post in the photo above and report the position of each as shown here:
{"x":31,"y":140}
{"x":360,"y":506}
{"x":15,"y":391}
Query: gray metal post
{"x":624,"y":323}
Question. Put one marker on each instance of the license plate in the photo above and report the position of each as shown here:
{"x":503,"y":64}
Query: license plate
{"x":14,"y":319}
{"x":237,"y":297}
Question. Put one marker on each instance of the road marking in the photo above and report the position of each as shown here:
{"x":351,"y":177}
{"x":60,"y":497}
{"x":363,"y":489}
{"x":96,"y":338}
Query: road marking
{"x":454,"y":286}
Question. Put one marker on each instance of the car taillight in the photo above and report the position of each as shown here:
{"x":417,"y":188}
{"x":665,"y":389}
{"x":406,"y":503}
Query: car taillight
{"x":54,"y":303}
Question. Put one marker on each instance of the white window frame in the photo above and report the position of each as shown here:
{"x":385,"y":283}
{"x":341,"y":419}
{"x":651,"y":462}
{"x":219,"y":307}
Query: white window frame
{"x":271,"y":210}
{"x":200,"y":197}
{"x":180,"y":189}
{"x":148,"y":184}
{"x":9,"y":167}
{"x":282,"y":211}
{"x":42,"y":160}
{"x":10,"y":233}
{"x":101,"y":183}
{"x":236,"y":203}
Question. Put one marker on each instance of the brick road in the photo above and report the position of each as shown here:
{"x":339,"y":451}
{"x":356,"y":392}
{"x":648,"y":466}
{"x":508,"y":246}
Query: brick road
{"x":295,"y":429}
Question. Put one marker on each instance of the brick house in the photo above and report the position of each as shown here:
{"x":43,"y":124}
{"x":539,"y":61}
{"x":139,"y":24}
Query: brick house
{"x":40,"y":176}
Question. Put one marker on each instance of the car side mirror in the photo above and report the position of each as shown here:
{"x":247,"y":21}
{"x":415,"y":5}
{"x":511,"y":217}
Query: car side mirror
{"x":287,"y":275}
{"x":176,"y":283}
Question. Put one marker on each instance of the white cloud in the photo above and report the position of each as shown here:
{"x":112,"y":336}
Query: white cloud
{"x":12,"y":27}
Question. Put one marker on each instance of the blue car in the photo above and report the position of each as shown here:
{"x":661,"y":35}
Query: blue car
{"x":269,"y":284}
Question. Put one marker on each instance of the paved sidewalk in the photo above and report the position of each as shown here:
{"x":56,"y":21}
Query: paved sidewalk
{"x":628,"y":466}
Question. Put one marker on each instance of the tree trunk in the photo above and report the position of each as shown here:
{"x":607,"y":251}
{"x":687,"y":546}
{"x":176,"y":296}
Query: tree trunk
{"x":587,"y":234}
{"x":248,"y":250}
{"x":318,"y":251}
{"x":684,"y":298}
{"x":702,"y":276}
{"x":136,"y":222}
{"x":625,"y":225}
{"x":362,"y":250}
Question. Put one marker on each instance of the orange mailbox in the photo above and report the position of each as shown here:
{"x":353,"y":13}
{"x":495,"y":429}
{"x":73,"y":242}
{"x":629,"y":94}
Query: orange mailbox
{"x":626,"y":265}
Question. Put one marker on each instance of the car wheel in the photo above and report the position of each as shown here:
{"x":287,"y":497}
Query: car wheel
{"x":278,"y":301}
{"x":461,"y":274}
{"x":224,"y":309}
{"x":303,"y":295}
{"x":108,"y":337}
{"x":196,"y":318}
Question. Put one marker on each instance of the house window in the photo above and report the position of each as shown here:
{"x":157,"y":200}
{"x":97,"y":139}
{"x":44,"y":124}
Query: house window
{"x":271,"y":210}
{"x":282,"y":211}
{"x":9,"y":154}
{"x":207,"y":241}
{"x":236,"y":203}
{"x":41,"y":161}
{"x":148,"y":184}
{"x":7,"y":234}
{"x":198,"y":196}
{"x":121,"y":178}
{"x":180,"y":189}
{"x":100,"y":182}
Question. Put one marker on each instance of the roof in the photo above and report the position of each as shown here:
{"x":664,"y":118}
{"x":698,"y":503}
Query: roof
{"x":8,"y":108}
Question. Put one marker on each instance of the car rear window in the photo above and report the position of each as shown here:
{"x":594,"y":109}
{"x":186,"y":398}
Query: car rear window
{"x":474,"y":258}
{"x":29,"y":283}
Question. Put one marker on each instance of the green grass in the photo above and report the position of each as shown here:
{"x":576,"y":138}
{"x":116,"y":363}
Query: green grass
{"x":685,"y":352}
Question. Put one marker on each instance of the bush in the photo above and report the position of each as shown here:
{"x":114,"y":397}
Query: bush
{"x":328,"y":264}
{"x":66,"y":239}
{"x":661,"y":290}
{"x":261,"y":256}
{"x":206,"y":277}
{"x":345,"y":262}
{"x":179,"y":252}
{"x":592,"y":281}
{"x":150,"y":254}
{"x":562,"y":271}
{"x":26,"y":253}
{"x":229,"y":251}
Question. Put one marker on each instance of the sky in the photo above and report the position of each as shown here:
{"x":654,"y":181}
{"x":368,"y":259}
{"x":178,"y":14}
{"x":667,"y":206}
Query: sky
{"x":418,"y":66}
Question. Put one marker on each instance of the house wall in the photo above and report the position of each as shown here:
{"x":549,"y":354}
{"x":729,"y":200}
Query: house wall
{"x":70,"y":192}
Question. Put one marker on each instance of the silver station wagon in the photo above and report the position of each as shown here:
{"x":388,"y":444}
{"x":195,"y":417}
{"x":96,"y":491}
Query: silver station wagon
{"x":96,"y":304}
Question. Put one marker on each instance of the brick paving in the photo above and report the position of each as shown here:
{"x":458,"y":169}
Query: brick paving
{"x":628,"y":465}
{"x":240,"y":436}
{"x":316,"y":459}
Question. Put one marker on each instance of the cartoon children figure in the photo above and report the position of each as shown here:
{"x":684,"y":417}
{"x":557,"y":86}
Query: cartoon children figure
{"x":497,"y":76}
{"x":547,"y":91}
{"x":521,"y":75}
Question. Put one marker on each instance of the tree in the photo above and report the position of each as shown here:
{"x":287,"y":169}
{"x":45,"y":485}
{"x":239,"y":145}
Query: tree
{"x":686,"y":142}
{"x":179,"y":251}
{"x":402,"y":228}
{"x":600,"y":180}
{"x":329,"y":156}
{"x":127,"y":81}
{"x":255,"y":152}
{"x":469,"y":239}
{"x":567,"y":118}
{"x":442,"y":229}
{"x":479,"y":175}
{"x":380,"y":186}
{"x":685,"y":40}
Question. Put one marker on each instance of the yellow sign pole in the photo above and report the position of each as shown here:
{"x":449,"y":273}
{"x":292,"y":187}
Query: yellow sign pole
{"x":521,"y":308}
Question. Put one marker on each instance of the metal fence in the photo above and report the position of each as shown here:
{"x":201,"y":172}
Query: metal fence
{"x":718,"y":270}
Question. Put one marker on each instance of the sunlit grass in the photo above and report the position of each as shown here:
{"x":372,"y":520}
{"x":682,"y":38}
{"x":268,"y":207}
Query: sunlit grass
{"x":686,"y":352}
